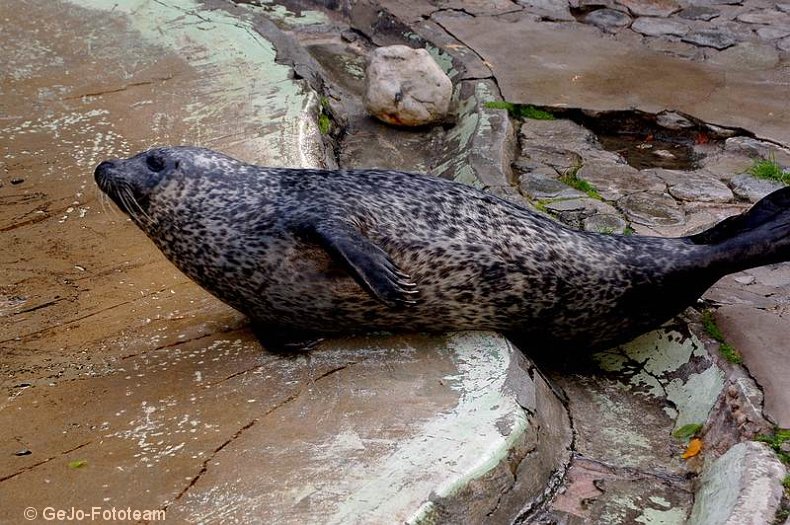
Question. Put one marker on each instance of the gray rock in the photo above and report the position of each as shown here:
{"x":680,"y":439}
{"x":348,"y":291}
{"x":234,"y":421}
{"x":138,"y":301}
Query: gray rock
{"x":757,"y":148}
{"x":574,"y":212}
{"x":773,"y":33}
{"x":560,"y":131}
{"x":669,"y":177}
{"x":699,"y":12}
{"x":761,"y":338}
{"x":784,"y":7}
{"x":748,"y":56}
{"x":672,"y":120}
{"x":605,"y":223}
{"x":659,"y":27}
{"x":784,"y":44}
{"x":548,"y":9}
{"x":406,"y":87}
{"x":742,"y":486}
{"x":608,"y":19}
{"x":717,"y":39}
{"x":701,"y":189}
{"x":613,"y":181}
{"x":753,"y":189}
{"x":539,"y":186}
{"x":587,"y":204}
{"x":557,"y":157}
{"x":661,"y":8}
{"x":650,"y":209}
{"x":764,"y":17}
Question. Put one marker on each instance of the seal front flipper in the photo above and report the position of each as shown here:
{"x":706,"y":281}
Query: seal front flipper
{"x":369,"y":265}
{"x":278,"y":340}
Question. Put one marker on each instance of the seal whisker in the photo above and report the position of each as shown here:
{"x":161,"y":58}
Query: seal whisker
{"x":140,"y":210}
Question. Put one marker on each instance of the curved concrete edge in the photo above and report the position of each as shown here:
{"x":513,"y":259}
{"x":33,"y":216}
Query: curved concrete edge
{"x":424,"y":430}
{"x":526,"y":468}
{"x":284,"y":108}
{"x":742,"y":486}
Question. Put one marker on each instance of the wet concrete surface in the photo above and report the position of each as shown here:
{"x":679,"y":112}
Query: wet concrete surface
{"x":130,"y":385}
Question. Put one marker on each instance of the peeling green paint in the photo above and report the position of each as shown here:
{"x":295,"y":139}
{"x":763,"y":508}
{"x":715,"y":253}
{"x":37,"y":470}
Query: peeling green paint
{"x":240,"y":66}
{"x":472,"y":122}
{"x":483,"y":360}
{"x":664,"y":352}
{"x":662,"y":517}
{"x":443,"y":59}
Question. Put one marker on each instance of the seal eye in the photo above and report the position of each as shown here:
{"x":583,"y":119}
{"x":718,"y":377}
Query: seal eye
{"x":155,"y":163}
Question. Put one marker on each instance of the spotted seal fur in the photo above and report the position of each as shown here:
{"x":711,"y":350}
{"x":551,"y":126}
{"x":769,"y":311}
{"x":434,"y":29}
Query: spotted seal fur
{"x":308,"y":252}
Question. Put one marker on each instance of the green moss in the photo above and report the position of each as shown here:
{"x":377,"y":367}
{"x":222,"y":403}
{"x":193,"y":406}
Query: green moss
{"x":728,"y":351}
{"x":520,"y":110}
{"x":730,"y":354}
{"x":786,"y":482}
{"x":687,"y":431}
{"x":769,"y":169}
{"x":710,"y":326}
{"x":324,"y":122}
{"x":775,"y":441}
{"x":628,"y":231}
{"x":78,"y":463}
{"x":542,"y":206}
{"x":571,"y":178}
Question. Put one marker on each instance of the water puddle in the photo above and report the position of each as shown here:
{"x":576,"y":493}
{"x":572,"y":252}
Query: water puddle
{"x":642,"y":140}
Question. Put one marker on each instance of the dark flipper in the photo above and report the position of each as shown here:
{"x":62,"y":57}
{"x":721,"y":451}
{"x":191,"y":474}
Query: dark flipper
{"x":368,"y":264}
{"x":759,"y":236}
{"x":773,"y":208}
{"x":278,"y":340}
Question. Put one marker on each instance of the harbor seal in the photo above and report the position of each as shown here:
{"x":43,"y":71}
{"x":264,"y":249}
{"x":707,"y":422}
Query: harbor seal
{"x":307,"y":252}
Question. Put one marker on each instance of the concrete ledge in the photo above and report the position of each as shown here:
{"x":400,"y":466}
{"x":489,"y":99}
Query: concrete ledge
{"x":742,"y":486}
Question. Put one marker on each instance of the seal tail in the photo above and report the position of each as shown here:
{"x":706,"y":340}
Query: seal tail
{"x":756,"y":237}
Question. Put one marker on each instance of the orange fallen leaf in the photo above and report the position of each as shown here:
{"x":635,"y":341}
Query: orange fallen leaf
{"x":694,"y":447}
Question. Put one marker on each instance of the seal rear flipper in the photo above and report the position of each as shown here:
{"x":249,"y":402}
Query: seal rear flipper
{"x":756,"y":237}
{"x":775,"y":206}
{"x":369,"y":265}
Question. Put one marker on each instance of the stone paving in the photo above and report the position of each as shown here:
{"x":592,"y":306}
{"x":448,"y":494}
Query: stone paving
{"x":113,"y":359}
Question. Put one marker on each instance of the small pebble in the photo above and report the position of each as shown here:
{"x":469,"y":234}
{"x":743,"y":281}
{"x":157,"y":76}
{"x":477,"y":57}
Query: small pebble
{"x":23,"y":452}
{"x":17,"y":180}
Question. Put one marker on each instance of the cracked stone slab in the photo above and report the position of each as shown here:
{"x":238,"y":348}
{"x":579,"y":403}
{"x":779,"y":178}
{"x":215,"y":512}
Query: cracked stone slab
{"x":365,"y":429}
{"x":598,"y":493}
{"x":651,"y":209}
{"x":742,"y":486}
{"x":659,"y":27}
{"x":701,"y":189}
{"x":753,"y":189}
{"x":427,"y":431}
{"x":761,"y":337}
{"x":625,"y":403}
{"x":647,"y":8}
{"x":602,"y":74}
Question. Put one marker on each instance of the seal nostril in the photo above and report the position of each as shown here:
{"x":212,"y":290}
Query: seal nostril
{"x":103,"y":169}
